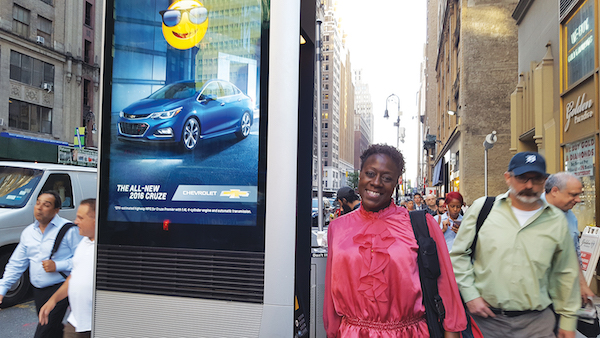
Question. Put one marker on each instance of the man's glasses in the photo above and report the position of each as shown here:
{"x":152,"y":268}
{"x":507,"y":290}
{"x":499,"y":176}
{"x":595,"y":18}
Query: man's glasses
{"x":539,"y":179}
{"x":172,"y":17}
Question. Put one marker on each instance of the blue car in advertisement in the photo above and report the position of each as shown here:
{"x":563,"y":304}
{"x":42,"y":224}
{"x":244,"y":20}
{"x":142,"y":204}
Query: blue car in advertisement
{"x":186,"y":111}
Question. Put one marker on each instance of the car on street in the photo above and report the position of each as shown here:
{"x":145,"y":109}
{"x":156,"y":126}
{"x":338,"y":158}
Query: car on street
{"x":184,"y":112}
{"x":20,"y":185}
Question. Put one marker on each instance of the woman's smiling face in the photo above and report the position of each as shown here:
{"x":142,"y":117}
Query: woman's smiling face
{"x":377,"y":180}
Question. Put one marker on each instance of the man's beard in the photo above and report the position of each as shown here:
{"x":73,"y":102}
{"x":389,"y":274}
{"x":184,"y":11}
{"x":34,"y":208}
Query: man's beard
{"x":526,"y":196}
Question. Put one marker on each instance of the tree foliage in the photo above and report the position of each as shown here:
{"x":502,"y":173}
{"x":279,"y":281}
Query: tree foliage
{"x":352,"y":180}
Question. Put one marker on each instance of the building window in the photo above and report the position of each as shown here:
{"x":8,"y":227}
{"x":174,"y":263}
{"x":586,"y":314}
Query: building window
{"x":45,"y":30}
{"x":326,"y":37}
{"x":87,"y":51}
{"x":88,"y":14}
{"x":326,"y":57}
{"x":326,"y":106}
{"x":325,"y":163}
{"x":86,"y":93}
{"x":325,"y":144}
{"x":326,"y":67}
{"x":30,"y":71}
{"x":30,"y":117}
{"x":20,"y":21}
{"x":49,"y":2}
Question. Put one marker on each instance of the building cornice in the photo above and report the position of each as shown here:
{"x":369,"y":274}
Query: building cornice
{"x":521,"y":10}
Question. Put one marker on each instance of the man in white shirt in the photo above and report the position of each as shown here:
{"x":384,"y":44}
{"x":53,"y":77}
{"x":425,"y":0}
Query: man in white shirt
{"x":79,"y":284}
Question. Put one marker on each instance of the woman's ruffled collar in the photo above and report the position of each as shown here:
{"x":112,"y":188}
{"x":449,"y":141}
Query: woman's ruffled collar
{"x":373,"y":242}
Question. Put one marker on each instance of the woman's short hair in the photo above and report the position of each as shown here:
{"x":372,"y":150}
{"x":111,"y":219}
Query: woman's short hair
{"x":454,"y":195}
{"x":384,"y":149}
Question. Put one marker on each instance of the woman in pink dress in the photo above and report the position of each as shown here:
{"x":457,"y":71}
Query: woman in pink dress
{"x":372,"y":285}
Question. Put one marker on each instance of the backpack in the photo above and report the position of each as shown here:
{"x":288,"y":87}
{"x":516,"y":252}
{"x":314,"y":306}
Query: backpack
{"x":483,"y":214}
{"x":429,"y":271}
{"x":58,"y":240}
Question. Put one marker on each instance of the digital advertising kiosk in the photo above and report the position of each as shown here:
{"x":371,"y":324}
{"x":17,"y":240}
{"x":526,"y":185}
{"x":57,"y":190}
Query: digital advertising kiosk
{"x":201,"y":203}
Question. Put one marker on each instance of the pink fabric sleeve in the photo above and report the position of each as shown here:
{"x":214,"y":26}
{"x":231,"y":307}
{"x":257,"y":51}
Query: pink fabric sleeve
{"x":331,"y":319}
{"x":455,"y":320}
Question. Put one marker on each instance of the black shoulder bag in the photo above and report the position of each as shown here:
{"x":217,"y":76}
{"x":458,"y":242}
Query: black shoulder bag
{"x":58,"y":240}
{"x":429,"y":271}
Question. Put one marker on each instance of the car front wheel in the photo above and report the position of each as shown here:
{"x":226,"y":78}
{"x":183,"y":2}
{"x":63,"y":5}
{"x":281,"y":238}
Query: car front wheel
{"x":190,"y":134}
{"x":245,"y":124}
{"x":18,"y":291}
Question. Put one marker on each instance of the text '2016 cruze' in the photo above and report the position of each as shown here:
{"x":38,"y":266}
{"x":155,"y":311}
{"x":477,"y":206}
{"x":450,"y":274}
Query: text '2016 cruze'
{"x":186,"y":111}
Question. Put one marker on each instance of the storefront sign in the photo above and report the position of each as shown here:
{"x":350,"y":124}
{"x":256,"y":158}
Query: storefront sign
{"x":580,"y":35}
{"x":579,"y":111}
{"x":579,"y":157}
{"x":77,"y":156}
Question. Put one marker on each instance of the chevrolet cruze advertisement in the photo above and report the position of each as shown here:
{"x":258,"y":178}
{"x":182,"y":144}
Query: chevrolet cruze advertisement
{"x":185,"y":115}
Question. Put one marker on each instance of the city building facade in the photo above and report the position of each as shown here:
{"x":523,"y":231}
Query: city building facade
{"x":475,"y":61}
{"x":579,"y":88}
{"x":363,"y":119}
{"x":49,"y":77}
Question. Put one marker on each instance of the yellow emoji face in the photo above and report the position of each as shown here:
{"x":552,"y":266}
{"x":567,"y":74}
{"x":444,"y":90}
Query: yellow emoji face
{"x":184,"y":23}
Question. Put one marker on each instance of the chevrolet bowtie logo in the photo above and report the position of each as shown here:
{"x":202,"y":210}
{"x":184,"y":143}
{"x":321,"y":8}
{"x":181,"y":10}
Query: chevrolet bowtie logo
{"x":235,"y":193}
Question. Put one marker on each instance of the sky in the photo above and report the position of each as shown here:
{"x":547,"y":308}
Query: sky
{"x":386,"y":40}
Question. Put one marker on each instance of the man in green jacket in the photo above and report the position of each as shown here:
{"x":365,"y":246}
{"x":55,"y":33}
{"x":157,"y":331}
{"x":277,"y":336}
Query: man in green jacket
{"x":524,"y":260}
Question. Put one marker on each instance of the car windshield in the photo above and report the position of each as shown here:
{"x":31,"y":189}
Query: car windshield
{"x":180,"y":90}
{"x":16,"y":185}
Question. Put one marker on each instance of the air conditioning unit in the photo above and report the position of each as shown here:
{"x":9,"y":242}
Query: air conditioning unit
{"x":47,"y":86}
{"x":40,"y":40}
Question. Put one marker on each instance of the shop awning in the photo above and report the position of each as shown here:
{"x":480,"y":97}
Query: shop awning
{"x":438,"y":178}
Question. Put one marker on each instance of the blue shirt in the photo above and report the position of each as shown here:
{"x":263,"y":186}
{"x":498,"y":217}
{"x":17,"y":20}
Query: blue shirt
{"x":574,"y":231}
{"x":35,"y":247}
{"x":449,"y":235}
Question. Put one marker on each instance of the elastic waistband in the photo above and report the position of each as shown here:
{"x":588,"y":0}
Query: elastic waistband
{"x":382,"y":326}
{"x":513,"y":313}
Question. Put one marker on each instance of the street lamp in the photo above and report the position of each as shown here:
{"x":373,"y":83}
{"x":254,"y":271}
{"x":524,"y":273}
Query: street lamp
{"x":488,"y":143}
{"x":386,"y":115}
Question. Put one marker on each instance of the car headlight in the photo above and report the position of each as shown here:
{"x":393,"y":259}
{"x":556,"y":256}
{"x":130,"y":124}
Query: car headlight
{"x":165,"y":114}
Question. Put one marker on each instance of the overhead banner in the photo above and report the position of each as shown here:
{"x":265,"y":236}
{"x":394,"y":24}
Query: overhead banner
{"x":185,"y":112}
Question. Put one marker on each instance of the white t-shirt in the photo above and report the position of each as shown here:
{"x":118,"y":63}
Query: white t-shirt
{"x":81,"y":286}
{"x":524,"y":216}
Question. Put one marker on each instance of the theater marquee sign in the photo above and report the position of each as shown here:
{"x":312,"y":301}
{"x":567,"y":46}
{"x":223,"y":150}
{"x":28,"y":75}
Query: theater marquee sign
{"x":579,"y":112}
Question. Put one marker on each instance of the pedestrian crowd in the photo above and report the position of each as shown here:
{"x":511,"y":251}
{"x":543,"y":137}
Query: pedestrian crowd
{"x":60,"y":258}
{"x":507,"y":266}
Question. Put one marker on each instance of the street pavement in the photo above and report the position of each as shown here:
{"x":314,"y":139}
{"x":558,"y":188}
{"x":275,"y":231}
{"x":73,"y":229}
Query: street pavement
{"x":18,"y":321}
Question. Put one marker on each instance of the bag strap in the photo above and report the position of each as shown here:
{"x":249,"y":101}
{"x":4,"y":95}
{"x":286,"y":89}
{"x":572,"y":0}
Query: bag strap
{"x":58,"y":240}
{"x":429,"y":271}
{"x":483,"y":214}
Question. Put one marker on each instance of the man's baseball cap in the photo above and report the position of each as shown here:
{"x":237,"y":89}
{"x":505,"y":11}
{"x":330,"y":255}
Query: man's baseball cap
{"x":347,"y":193}
{"x":526,"y":162}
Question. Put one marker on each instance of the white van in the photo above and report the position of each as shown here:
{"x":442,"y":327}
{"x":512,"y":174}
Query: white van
{"x":20,"y":184}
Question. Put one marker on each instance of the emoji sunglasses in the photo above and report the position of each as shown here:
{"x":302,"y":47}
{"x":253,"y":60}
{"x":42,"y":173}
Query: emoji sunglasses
{"x":172,"y":17}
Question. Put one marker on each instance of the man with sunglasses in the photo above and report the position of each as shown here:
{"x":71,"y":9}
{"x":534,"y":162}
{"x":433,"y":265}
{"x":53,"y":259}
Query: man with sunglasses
{"x":524,"y":263}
